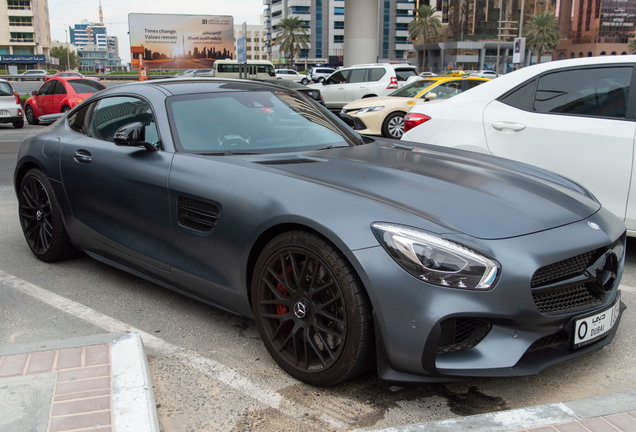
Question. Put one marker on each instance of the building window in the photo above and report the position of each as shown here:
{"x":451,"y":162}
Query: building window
{"x":338,"y":11}
{"x":19,"y":4}
{"x":338,"y":39}
{"x":21,"y":37}
{"x":338,"y":25}
{"x":318,"y":30}
{"x":300,"y":10}
{"x":20,"y":21}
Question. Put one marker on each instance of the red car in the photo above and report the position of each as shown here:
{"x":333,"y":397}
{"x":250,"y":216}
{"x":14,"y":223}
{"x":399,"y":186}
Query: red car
{"x":59,"y":95}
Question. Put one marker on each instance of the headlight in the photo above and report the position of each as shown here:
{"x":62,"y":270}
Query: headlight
{"x":435,"y":260}
{"x":369,"y":109}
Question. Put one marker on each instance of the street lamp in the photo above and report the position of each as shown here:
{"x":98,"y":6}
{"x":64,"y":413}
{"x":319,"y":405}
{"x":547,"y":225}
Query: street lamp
{"x":68,"y":56}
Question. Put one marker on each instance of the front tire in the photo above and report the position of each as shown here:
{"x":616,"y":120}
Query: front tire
{"x":41,"y":218}
{"x":30,"y":115}
{"x":311,"y":310}
{"x":393,"y":126}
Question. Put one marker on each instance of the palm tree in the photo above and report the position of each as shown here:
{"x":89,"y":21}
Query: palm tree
{"x":291,"y":36}
{"x":424,"y":25}
{"x":542,"y":33}
{"x":632,"y":45}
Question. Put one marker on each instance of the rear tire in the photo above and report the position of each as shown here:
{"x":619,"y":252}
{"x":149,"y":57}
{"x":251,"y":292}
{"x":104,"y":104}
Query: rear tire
{"x":41,"y":218}
{"x":311,"y":310}
{"x":18,"y":124}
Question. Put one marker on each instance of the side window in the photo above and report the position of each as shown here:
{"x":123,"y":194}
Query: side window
{"x":521,"y":97}
{"x":599,"y":92}
{"x":59,"y":88}
{"x":109,"y":114}
{"x":358,"y":76}
{"x":47,"y":88}
{"x":336,"y":78}
{"x":472,"y":83}
{"x":447,"y":90}
{"x":80,"y":119}
{"x":376,"y":74}
{"x":404,"y":74}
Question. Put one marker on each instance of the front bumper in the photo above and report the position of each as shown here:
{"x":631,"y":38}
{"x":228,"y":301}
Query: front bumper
{"x":432,"y":333}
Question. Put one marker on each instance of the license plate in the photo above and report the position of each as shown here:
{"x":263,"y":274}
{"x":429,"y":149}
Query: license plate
{"x":4,"y":113}
{"x":595,"y":326}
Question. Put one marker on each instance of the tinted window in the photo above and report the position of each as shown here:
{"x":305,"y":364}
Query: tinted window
{"x":86,"y":86}
{"x":59,"y":88}
{"x":337,"y":77}
{"x":358,"y":76}
{"x":412,"y":89}
{"x":404,"y":74}
{"x":47,"y":88}
{"x":599,"y":92}
{"x":472,"y":83}
{"x":521,"y":97}
{"x":376,"y":74}
{"x":447,"y":90}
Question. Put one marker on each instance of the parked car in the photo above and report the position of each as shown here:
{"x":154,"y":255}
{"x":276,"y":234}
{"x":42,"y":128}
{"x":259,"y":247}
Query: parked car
{"x":485,"y":74}
{"x":427,"y":74}
{"x":186,"y":73}
{"x":71,"y":74}
{"x":573,"y":117}
{"x":446,"y":264}
{"x":360,"y":81}
{"x":33,"y":75}
{"x":311,"y":92}
{"x":10,"y":107}
{"x":317,"y":74}
{"x":203,"y":73}
{"x":289,"y":74}
{"x":385,"y":115}
{"x":59,"y":95}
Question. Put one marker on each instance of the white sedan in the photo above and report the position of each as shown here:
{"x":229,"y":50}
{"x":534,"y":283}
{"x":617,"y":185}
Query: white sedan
{"x":289,"y":74}
{"x":574,"y":117}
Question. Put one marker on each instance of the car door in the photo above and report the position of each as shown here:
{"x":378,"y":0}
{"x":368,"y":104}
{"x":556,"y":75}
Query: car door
{"x":333,"y":89}
{"x":574,"y":122}
{"x":44,"y":96}
{"x":119,"y":195}
{"x":57,"y":98}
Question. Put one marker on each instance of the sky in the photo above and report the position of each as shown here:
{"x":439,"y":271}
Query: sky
{"x":66,"y":13}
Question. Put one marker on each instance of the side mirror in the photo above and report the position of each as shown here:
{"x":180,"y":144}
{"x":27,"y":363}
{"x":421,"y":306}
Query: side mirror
{"x":430,"y":96}
{"x":133,"y":135}
{"x":34,"y":93}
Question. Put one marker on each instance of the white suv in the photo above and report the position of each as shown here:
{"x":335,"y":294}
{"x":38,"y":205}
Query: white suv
{"x":360,"y":81}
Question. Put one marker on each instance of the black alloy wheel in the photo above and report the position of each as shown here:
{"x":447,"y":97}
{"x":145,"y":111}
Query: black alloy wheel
{"x":311,"y":310}
{"x":41,"y":219}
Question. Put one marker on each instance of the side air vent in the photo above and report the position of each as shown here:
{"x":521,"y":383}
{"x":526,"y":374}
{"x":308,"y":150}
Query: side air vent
{"x":197,"y":215}
{"x":288,"y":161}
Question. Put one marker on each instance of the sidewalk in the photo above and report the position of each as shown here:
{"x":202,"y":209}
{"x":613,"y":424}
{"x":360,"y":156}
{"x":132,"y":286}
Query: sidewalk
{"x":101,"y":383}
{"x":98,"y":383}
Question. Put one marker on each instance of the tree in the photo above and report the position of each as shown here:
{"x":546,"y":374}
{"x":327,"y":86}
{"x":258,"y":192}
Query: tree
{"x":291,"y":36}
{"x":542,"y":33}
{"x":63,"y":54}
{"x":424,"y":25}
{"x":632,"y":46}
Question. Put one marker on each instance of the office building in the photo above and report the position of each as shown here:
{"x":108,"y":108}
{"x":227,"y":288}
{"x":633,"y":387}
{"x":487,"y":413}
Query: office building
{"x":254,"y":41}
{"x":324,"y":21}
{"x":25,"y":35}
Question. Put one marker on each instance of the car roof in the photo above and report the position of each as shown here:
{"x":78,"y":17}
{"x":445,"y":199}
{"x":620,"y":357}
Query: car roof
{"x":186,"y":85}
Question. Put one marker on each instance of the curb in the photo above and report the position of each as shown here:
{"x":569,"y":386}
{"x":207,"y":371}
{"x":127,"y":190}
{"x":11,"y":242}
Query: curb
{"x":525,"y":418}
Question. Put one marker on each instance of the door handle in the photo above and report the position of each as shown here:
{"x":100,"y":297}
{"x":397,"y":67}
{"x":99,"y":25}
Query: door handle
{"x":82,"y":156}
{"x":502,"y":125}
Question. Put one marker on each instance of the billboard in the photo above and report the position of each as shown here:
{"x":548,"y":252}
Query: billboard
{"x":180,"y":41}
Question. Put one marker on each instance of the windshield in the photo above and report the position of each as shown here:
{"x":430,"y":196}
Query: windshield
{"x":411,"y":90}
{"x":258,"y":121}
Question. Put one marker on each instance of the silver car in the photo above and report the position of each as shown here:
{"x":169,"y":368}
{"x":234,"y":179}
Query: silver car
{"x":10,"y":107}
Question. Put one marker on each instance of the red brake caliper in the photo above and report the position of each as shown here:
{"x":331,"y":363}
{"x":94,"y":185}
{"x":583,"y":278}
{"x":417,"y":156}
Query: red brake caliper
{"x":282,"y":309}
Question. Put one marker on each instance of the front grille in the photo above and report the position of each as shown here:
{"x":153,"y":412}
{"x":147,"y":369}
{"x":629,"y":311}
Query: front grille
{"x":573,"y":283}
{"x":561,"y":270}
{"x":459,"y":334}
{"x":564,"y":299}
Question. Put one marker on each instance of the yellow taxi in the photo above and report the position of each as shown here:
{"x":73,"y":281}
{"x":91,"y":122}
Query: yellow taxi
{"x":385,"y":115}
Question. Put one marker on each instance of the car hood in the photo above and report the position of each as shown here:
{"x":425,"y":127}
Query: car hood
{"x":478,"y":195}
{"x":377,"y":101}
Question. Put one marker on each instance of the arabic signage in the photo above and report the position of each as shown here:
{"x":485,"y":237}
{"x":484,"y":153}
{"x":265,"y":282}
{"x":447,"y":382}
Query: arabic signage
{"x":27,"y":58}
{"x":181,"y":41}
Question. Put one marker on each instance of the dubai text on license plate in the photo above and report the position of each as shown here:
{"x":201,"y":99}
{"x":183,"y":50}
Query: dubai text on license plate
{"x":593,"y":327}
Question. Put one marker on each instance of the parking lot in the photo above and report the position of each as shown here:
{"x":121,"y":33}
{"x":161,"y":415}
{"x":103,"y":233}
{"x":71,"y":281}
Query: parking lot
{"x":210,"y":371}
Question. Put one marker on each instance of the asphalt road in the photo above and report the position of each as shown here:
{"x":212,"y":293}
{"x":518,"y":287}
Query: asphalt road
{"x":211,"y":372}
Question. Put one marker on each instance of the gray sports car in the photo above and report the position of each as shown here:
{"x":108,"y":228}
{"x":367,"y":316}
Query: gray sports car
{"x":430,"y":263}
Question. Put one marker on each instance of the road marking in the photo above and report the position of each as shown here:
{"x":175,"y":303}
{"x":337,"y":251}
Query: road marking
{"x":208,"y":367}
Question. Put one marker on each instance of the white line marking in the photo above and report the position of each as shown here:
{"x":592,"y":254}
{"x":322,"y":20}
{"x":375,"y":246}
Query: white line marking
{"x":209,"y":367}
